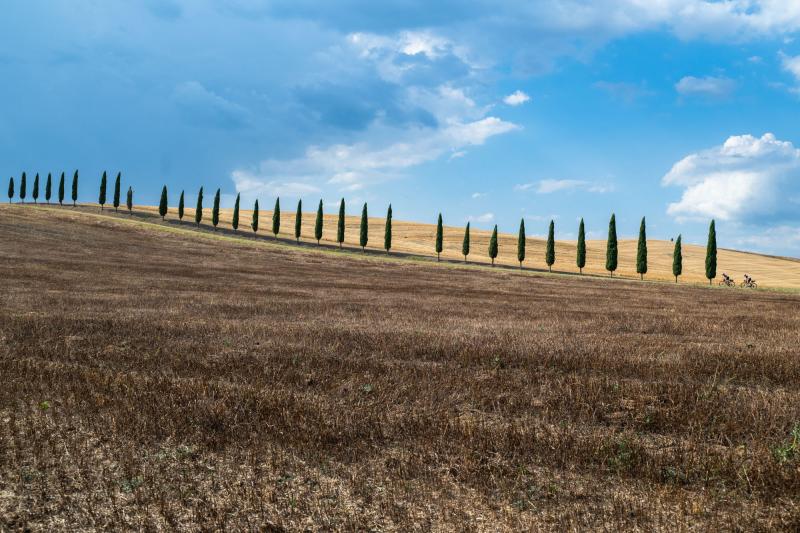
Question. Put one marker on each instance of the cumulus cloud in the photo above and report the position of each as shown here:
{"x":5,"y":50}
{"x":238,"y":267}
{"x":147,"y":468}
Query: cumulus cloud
{"x":747,"y":179}
{"x":516,"y":98}
{"x":549,"y":186}
{"x":708,"y":86}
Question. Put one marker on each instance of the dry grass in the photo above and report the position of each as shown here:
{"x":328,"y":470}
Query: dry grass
{"x":414,"y":238}
{"x":158,"y":379}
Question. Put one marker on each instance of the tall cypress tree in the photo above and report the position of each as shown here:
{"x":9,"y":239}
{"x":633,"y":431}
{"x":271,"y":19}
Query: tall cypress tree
{"x":215,"y":211}
{"x":181,"y":206}
{"x":611,"y":246}
{"x":102,"y":198}
{"x":581,"y":256}
{"x":36,"y":188}
{"x":641,"y":251}
{"x":387,"y":231}
{"x":550,"y":253}
{"x":439,"y":237}
{"x":298,"y":220}
{"x":23,"y":185}
{"x":254,"y":221}
{"x":235,"y":220}
{"x":711,"y":253}
{"x":318,"y":223}
{"x":364,"y":233}
{"x":521,"y":243}
{"x":198,"y":211}
{"x":48,"y":188}
{"x":493,"y":245}
{"x":276,"y":218}
{"x":10,"y":189}
{"x":129,"y":200}
{"x":677,"y":259}
{"x":117,"y":191}
{"x":74,"y":188}
{"x":162,"y":205}
{"x":61,"y":190}
{"x":340,"y":225}
{"x":465,"y":243}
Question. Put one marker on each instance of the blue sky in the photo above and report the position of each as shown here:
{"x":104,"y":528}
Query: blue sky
{"x":489,"y":111}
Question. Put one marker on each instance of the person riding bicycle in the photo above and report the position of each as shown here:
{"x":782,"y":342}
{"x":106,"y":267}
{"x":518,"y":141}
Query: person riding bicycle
{"x":726,"y":277}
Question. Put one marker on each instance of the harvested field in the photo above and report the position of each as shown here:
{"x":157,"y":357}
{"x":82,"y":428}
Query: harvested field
{"x":157,"y":378}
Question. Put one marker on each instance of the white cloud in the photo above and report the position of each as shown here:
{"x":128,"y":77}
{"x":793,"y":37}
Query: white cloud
{"x":550,"y":186}
{"x":516,"y":98}
{"x":791,"y":64}
{"x":477,"y":195}
{"x":708,"y":86}
{"x":746,"y":179}
{"x":483,"y":219}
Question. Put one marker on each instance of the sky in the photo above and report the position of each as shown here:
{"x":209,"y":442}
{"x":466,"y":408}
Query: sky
{"x":486,"y":111}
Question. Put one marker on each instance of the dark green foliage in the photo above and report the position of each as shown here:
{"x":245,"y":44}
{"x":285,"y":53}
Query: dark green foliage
{"x":493,"y":245}
{"x":611,"y":246}
{"x":465,"y":243}
{"x":74,"y":188}
{"x":550,"y":253}
{"x":711,"y":253}
{"x":117,"y":191}
{"x":298,"y":220}
{"x":10,"y":189}
{"x":581,"y":256}
{"x":641,"y":251}
{"x":181,"y":205}
{"x":129,"y":200}
{"x":61,"y":190}
{"x":276,"y":218}
{"x":198,"y":211}
{"x":318,"y":223}
{"x":340,"y":225}
{"x":235,"y":219}
{"x":439,"y":237}
{"x":35,"y":194}
{"x":215,"y":211}
{"x":387,"y":231}
{"x":254,"y":221}
{"x":162,"y":205}
{"x":48,"y":188}
{"x":102,"y":197}
{"x":23,"y":187}
{"x":521,"y":243}
{"x":364,"y":230}
{"x":677,"y":259}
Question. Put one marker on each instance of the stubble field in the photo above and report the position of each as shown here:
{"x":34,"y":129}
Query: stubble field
{"x":156,"y":378}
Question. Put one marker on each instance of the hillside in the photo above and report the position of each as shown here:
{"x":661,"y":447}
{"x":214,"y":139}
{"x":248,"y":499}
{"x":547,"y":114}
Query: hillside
{"x":159,"y":378}
{"x":419,"y":239}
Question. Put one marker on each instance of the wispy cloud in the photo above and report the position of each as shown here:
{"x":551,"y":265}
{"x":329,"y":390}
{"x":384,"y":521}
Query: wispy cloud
{"x":516,"y":98}
{"x":549,"y":186}
{"x":624,"y":91}
{"x":482,"y":219}
{"x":708,"y":86}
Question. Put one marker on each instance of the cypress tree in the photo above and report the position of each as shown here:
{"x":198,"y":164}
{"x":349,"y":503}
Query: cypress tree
{"x":235,"y":220}
{"x":581,"y":258}
{"x":10,"y":189}
{"x":465,"y":244}
{"x":23,"y":185}
{"x":276,"y":218}
{"x":129,"y":200}
{"x":117,"y":191}
{"x":198,"y":211}
{"x":711,"y":253}
{"x":641,"y":251}
{"x":215,"y":211}
{"x":387,"y":232}
{"x":550,"y":254}
{"x":74,"y":188}
{"x":493,"y":245}
{"x":364,"y":235}
{"x":48,"y":188}
{"x":521,"y":243}
{"x":36,"y":188}
{"x":181,"y":206}
{"x":298,"y":220}
{"x":677,"y":259}
{"x":340,"y":225}
{"x":162,"y":205}
{"x":439,"y":237}
{"x":102,"y":198}
{"x":254,"y":221}
{"x":61,"y":190}
{"x":318,"y":223}
{"x":611,"y":246}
